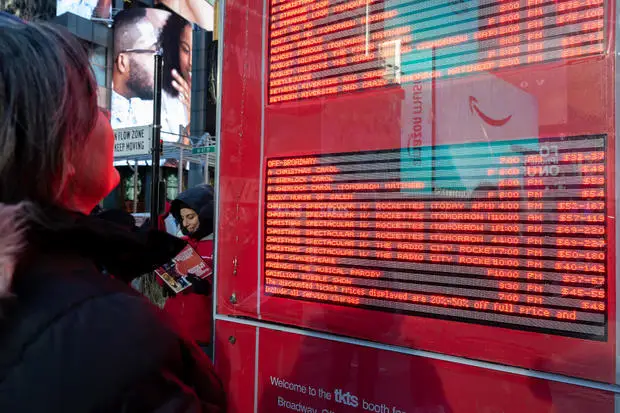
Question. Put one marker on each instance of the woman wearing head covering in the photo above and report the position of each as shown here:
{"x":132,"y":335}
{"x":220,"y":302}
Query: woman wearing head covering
{"x":73,"y":339}
{"x":193,"y":308}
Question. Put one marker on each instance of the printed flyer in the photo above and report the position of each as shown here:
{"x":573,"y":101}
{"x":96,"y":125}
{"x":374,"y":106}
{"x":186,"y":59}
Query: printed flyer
{"x":186,"y":263}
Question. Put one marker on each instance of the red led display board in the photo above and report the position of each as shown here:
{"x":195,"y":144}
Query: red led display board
{"x":462,"y":201}
{"x":525,"y":248}
{"x":319,"y":48}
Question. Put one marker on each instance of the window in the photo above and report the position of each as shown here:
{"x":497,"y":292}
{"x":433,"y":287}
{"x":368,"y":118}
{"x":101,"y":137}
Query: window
{"x":172,"y":186}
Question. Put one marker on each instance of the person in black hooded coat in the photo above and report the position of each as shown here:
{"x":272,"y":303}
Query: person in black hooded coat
{"x":73,"y":340}
{"x":193,"y":308}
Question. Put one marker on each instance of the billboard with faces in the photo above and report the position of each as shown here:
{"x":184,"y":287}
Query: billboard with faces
{"x":87,"y":9}
{"x":139,"y":33}
{"x":199,"y":12}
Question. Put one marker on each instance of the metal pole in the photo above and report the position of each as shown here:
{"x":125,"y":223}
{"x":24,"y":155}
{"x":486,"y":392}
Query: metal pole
{"x":180,"y":170}
{"x":156,"y":144}
{"x":207,"y":169}
{"x":434,"y":124}
{"x":135,"y":186}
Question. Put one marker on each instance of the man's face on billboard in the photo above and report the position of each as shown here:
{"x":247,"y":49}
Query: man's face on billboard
{"x":139,"y":56}
{"x":142,"y":64}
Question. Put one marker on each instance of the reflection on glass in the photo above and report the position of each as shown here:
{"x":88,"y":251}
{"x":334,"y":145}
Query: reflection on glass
{"x":321,"y":49}
{"x":471,"y":214}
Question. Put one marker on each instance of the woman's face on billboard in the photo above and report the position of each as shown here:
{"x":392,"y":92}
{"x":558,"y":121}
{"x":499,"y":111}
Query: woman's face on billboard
{"x":185,"y":52}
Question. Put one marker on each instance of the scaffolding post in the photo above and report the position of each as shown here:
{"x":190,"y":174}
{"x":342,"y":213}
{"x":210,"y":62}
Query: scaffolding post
{"x":156,"y":144}
{"x":207,"y":169}
{"x":180,"y":170}
{"x":135,"y":186}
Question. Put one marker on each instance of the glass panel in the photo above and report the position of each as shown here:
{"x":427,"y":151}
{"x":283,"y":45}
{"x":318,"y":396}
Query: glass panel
{"x":436,"y":176}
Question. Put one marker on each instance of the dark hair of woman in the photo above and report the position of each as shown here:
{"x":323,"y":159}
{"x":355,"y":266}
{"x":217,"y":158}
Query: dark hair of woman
{"x":170,"y":38}
{"x":48,"y":107}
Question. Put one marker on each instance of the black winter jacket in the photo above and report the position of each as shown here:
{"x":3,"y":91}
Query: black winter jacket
{"x":73,"y":340}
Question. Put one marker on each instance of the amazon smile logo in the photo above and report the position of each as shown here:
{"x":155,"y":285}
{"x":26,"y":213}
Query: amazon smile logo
{"x":473,"y":108}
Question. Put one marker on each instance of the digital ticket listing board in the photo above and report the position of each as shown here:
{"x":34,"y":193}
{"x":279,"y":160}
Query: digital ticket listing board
{"x":319,"y":48}
{"x":511,"y":233}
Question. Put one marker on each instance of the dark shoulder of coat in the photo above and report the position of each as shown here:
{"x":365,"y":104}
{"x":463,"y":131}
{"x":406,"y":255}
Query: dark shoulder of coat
{"x":77,"y":341}
{"x":74,"y":340}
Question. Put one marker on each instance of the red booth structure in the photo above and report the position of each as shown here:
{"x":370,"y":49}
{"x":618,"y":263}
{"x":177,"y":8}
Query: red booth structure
{"x":416,"y":206}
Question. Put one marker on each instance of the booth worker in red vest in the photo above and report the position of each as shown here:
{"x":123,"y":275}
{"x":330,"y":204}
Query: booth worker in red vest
{"x":193,"y":308}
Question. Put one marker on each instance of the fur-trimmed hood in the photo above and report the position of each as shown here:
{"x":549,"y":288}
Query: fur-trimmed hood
{"x":26,"y":230}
